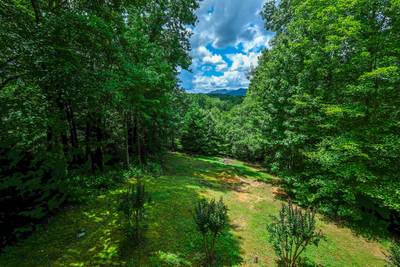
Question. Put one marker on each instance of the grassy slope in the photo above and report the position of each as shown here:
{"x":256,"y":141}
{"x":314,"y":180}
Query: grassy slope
{"x":171,"y":236}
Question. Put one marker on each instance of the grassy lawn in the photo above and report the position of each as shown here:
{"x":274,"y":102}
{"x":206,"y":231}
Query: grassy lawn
{"x":91,"y":235}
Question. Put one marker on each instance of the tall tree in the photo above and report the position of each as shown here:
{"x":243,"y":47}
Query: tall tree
{"x":329,"y":90}
{"x":84,"y":84}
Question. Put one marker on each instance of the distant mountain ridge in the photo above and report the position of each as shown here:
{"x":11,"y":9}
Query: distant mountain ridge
{"x":238,"y":92}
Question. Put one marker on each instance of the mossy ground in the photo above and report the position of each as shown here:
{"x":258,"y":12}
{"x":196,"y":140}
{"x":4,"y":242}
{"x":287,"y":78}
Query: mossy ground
{"x":91,"y":234}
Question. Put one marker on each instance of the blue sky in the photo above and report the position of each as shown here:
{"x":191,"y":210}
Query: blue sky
{"x":226,"y":43}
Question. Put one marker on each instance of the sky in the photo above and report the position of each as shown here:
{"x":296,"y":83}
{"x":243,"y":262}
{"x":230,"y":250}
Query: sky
{"x":226,"y":42}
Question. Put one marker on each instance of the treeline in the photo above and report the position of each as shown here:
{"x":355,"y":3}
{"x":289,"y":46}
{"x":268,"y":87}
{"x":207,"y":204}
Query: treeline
{"x":202,"y":123}
{"x":330,"y":93}
{"x":84,"y":85}
{"x":220,"y":125}
{"x":323,"y":107}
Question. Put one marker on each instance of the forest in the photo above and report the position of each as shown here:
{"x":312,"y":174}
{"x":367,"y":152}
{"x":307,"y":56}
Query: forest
{"x":105,"y":160}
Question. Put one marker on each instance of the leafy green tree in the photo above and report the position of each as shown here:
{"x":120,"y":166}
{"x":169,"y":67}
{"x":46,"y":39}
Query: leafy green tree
{"x":327,"y":105}
{"x":244,"y":131}
{"x":199,"y":133}
{"x":205,"y":120}
{"x":84,"y":85}
{"x":292,"y":232}
{"x":211,"y":218}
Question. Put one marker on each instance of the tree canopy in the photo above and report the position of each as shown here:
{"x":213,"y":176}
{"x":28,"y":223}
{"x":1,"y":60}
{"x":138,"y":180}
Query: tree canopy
{"x":328,"y":94}
{"x":84,"y":85}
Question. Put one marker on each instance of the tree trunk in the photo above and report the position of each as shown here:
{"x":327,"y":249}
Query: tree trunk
{"x":36,"y":10}
{"x":73,"y":134}
{"x":138,"y":141}
{"x":87,"y":141}
{"x":127,"y":138}
{"x":99,"y":146}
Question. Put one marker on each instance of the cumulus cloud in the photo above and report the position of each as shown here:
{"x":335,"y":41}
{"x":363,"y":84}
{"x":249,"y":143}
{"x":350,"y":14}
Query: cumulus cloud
{"x":202,"y":56}
{"x":230,"y":79}
{"x":202,"y":51}
{"x":226,"y":43}
{"x":228,"y":22}
{"x":215,"y":59}
{"x":243,"y":62}
{"x":235,"y":76}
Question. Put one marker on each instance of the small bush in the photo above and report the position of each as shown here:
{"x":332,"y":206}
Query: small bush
{"x":394,"y":257}
{"x":291,"y":233}
{"x":134,"y":172}
{"x":211,"y":219}
{"x":154,"y":168}
{"x":132,"y":205}
{"x":81,"y":187}
{"x":166,"y":259}
{"x":151,"y":168}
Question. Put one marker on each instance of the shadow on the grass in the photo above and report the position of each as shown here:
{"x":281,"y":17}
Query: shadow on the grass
{"x":172,"y":238}
{"x":368,"y":226}
{"x":92,"y":235}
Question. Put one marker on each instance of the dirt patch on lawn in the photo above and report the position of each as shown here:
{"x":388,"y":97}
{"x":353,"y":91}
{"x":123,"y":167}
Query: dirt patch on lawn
{"x":232,"y":181}
{"x":259,"y":191}
{"x":239,"y":224}
{"x":243,"y":197}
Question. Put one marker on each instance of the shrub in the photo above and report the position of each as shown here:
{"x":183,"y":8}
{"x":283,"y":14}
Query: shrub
{"x":154,"y":168}
{"x":167,"y":259}
{"x":132,"y":205}
{"x":292,"y":233}
{"x":211,"y":219}
{"x":134,"y":171}
{"x":394,"y":257}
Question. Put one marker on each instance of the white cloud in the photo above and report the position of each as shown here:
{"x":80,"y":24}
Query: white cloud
{"x":222,"y":24}
{"x":233,"y":77}
{"x":228,"y":22}
{"x":243,"y":62}
{"x":229,"y":80}
{"x":213,"y":60}
{"x":205,"y":57}
{"x":217,"y":61}
{"x":222,"y":66}
{"x":258,"y":41}
{"x":202,"y":51}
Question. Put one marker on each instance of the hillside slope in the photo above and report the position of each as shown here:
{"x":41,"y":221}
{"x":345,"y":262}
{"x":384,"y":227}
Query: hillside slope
{"x":90,"y":235}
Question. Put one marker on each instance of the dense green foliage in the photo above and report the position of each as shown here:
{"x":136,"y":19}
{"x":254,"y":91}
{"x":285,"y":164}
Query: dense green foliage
{"x":211,"y":218}
{"x":394,"y":257}
{"x":203,"y":123}
{"x":87,"y":87}
{"x":322,"y":109}
{"x":84,"y":85}
{"x":292,"y":232}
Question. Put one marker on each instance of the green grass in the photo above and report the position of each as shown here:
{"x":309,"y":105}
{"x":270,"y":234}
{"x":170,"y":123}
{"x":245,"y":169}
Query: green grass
{"x":171,"y":237}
